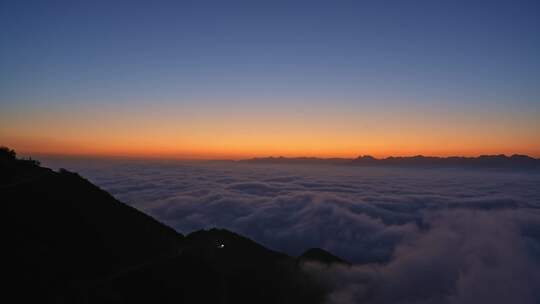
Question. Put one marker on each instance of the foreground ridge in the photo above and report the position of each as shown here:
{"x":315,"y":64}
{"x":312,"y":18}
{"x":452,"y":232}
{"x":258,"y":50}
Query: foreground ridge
{"x":71,"y":242}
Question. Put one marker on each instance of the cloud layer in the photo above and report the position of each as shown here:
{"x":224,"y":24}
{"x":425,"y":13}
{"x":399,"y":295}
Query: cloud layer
{"x":415,"y":236}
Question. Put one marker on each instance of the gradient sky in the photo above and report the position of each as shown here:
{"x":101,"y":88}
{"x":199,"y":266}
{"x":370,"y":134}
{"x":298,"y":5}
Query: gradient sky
{"x":233,"y":79}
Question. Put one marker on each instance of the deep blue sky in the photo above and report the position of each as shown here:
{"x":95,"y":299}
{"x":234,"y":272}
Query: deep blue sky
{"x":458,"y":56}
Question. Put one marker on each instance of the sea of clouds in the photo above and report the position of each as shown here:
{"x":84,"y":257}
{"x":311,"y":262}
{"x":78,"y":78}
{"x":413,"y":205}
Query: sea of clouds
{"x":414,"y":235}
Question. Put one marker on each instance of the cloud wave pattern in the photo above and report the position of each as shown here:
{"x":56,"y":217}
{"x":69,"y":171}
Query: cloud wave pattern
{"x":414,"y":235}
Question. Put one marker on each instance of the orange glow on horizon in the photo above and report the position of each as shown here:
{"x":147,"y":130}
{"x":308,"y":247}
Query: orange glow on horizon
{"x":236,"y":152}
{"x":244,"y":132}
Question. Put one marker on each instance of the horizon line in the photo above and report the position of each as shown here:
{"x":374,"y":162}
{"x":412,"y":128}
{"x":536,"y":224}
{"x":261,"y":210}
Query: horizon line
{"x":232,"y":159}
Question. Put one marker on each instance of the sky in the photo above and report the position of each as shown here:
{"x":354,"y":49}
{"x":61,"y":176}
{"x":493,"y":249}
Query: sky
{"x":236,"y":79}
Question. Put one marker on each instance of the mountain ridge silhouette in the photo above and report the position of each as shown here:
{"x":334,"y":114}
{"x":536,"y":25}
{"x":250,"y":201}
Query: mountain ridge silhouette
{"x":71,"y":242}
{"x":515,"y":161}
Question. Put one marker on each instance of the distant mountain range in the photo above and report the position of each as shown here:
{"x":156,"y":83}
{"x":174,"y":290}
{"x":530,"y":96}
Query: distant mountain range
{"x":484,"y":161}
{"x":67,"y":241}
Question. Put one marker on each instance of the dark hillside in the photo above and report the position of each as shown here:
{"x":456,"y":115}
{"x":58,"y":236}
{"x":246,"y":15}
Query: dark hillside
{"x":68,"y":241}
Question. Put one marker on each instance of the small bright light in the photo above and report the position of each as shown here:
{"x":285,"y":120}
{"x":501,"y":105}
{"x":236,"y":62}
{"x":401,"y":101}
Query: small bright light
{"x":221,"y":245}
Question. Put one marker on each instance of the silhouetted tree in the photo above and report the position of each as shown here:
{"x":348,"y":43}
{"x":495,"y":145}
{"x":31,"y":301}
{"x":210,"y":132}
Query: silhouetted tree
{"x":7,"y":153}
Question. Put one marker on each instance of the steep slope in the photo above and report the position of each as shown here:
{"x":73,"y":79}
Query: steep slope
{"x":68,"y":241}
{"x":61,"y":231}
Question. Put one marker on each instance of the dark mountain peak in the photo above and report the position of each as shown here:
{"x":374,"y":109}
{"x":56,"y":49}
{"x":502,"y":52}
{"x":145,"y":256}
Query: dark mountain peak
{"x":224,"y":244}
{"x":497,"y":156}
{"x":521,"y":157}
{"x":321,"y":256}
{"x":366,"y":158}
{"x":219,"y":239}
